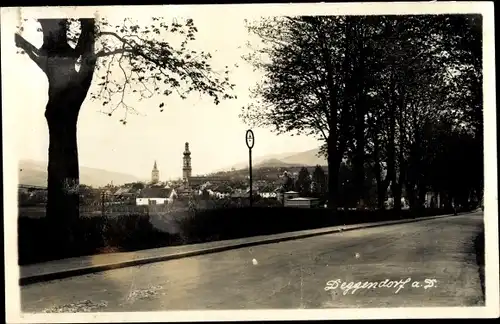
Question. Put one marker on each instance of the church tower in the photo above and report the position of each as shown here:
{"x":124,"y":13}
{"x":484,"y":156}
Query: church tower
{"x":155,"y":174}
{"x":186,"y":166}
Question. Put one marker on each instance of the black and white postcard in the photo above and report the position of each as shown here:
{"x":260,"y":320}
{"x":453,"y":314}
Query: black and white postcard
{"x":249,"y":162}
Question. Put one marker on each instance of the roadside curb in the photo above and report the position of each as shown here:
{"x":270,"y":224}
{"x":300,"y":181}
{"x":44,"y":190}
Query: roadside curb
{"x":117,"y":265}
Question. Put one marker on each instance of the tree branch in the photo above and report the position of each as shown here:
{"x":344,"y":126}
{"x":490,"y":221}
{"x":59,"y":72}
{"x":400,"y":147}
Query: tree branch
{"x":86,"y":48}
{"x":111,"y":53}
{"x":124,"y":41}
{"x":32,"y":51}
{"x":84,"y":42}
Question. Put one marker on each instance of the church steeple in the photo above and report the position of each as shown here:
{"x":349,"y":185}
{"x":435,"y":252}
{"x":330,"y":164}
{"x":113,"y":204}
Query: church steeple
{"x":186,"y":168}
{"x":155,"y":174}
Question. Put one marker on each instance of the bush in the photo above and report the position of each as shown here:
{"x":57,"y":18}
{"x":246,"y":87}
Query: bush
{"x":125,"y":233}
{"x":233,"y":223}
{"x":136,"y":231}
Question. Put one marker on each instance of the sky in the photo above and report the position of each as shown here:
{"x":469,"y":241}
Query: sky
{"x":216,"y":134}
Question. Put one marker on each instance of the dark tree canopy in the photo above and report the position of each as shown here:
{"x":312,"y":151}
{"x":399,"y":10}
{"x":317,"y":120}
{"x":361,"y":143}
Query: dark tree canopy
{"x":318,"y":181}
{"x":303,"y":183}
{"x":374,"y":90}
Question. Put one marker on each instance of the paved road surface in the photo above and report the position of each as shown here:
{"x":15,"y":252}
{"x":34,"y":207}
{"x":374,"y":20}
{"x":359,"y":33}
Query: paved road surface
{"x":291,"y":274}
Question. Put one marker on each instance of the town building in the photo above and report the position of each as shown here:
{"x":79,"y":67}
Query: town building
{"x":126,"y":194}
{"x":291,"y":194}
{"x":183,"y":191}
{"x":156,"y":196}
{"x":302,"y":202}
{"x":200,"y":180}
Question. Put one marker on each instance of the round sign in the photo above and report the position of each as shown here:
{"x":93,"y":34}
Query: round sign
{"x":250,"y":139}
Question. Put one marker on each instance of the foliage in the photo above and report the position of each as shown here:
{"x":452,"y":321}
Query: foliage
{"x":138,"y":60}
{"x":303,"y":183}
{"x":135,"y":185}
{"x":292,"y":47}
{"x":109,"y":233}
{"x":318,"y":181}
{"x":376,"y":90}
{"x":288,"y":182}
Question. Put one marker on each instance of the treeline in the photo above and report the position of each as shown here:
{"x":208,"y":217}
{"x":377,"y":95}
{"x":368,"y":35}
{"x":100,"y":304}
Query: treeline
{"x":398,"y":97}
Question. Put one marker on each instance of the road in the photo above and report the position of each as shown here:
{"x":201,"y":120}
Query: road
{"x":437,"y":254}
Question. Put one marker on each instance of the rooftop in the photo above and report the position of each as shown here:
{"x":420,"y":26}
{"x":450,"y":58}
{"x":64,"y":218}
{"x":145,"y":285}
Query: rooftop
{"x":303,"y":199}
{"x":155,"y":192}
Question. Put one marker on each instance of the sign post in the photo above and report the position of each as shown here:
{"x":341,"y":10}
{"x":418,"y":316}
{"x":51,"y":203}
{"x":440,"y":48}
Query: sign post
{"x":250,"y":140}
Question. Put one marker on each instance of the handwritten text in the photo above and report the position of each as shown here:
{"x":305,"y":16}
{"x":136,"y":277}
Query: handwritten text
{"x":396,"y":285}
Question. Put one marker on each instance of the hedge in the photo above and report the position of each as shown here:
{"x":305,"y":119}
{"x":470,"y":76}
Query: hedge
{"x":135,"y":232}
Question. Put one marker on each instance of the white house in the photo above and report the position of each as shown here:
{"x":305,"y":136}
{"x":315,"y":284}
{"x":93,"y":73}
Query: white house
{"x":156,"y":196}
{"x":268,"y":194}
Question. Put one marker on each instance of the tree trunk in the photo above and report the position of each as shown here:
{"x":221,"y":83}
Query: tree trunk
{"x":381,"y":185}
{"x":359,"y":159}
{"x":422,"y":191}
{"x":391,"y":146}
{"x":63,"y":170}
{"x":67,"y":91}
{"x":333,"y":182}
{"x":381,"y":191}
{"x":360,"y":112}
{"x":412,"y":194}
{"x":333,"y":151}
{"x":63,"y":173}
{"x":448,"y":201}
{"x":398,"y":185}
{"x":396,"y":189}
{"x":401,"y":158}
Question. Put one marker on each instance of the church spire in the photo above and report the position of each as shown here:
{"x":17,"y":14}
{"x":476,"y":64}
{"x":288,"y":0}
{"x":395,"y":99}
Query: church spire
{"x":155,"y":174}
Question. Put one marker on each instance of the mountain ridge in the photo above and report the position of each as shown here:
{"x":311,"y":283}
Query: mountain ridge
{"x":305,"y":158}
{"x":309,"y":158}
{"x":34,"y":173}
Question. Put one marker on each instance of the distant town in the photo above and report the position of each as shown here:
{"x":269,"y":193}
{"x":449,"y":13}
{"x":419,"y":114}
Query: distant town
{"x":288,"y":185}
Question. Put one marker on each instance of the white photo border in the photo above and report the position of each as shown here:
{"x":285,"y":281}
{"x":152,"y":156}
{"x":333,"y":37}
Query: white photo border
{"x":10,"y":16}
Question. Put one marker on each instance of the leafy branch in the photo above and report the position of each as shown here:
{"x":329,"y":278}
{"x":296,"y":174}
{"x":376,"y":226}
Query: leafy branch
{"x":140,"y":61}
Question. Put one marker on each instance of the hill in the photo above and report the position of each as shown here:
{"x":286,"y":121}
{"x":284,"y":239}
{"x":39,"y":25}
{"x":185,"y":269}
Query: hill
{"x":307,"y":158}
{"x":290,"y":159}
{"x":271,"y":167}
{"x":271,"y":163}
{"x":35,"y":173}
{"x":259,"y":160}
